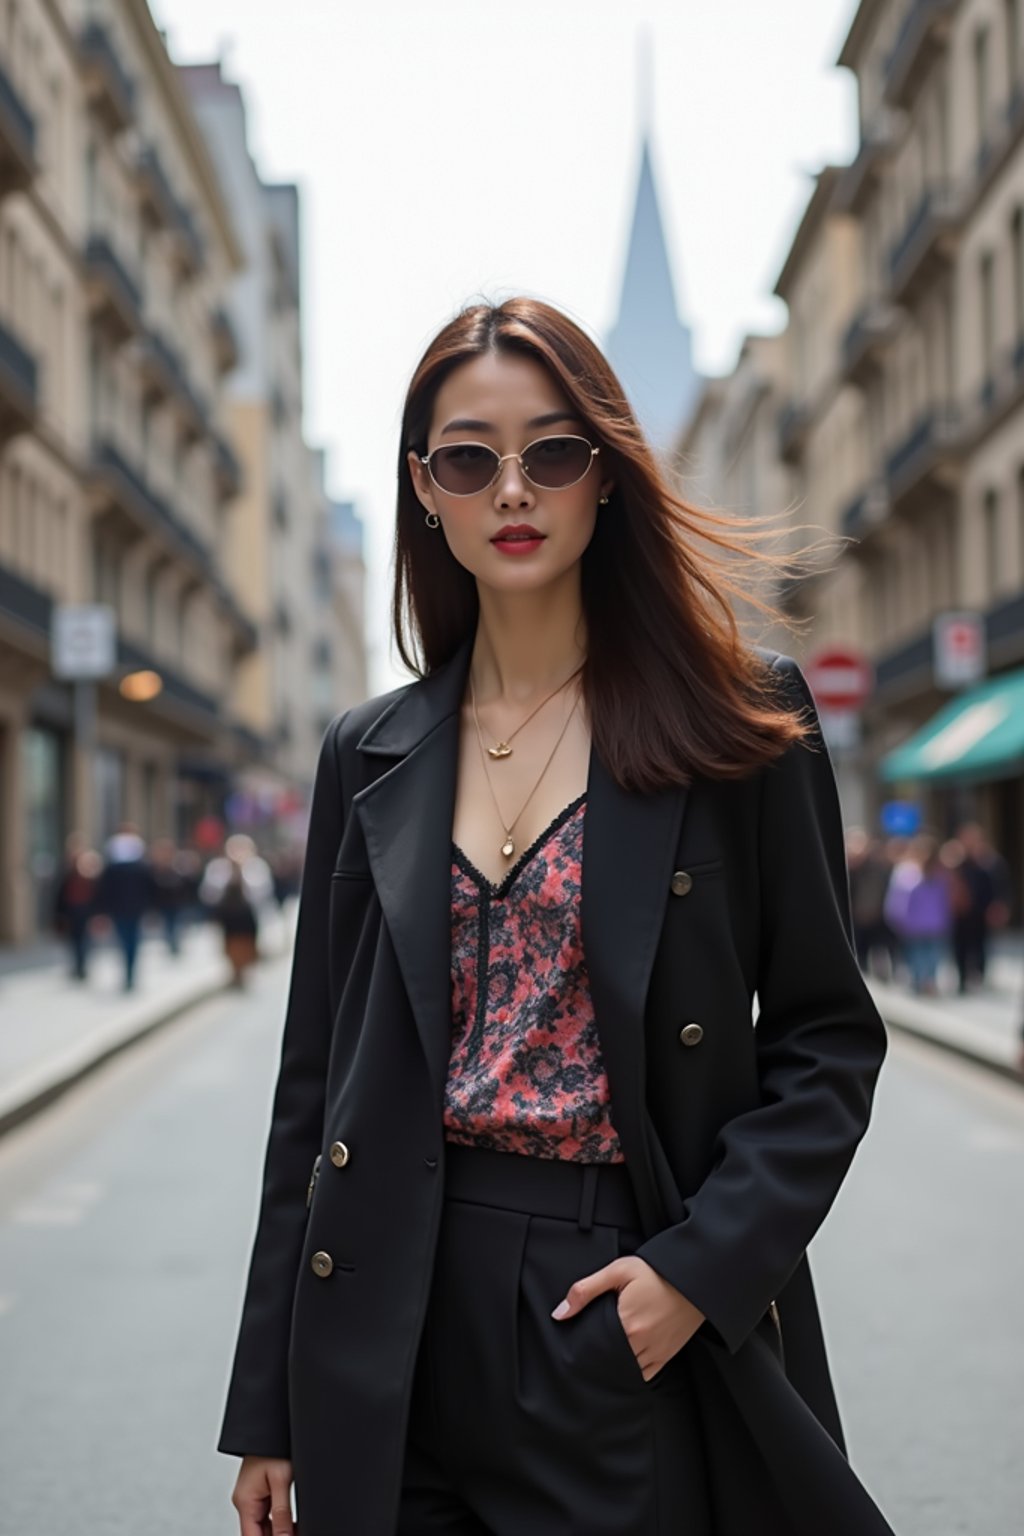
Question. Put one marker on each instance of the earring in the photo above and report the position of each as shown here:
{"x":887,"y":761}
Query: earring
{"x":603,"y":500}
{"x":432,"y":520}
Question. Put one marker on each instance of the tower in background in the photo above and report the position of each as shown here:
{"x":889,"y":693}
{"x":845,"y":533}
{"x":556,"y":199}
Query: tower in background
{"x":649,"y":346}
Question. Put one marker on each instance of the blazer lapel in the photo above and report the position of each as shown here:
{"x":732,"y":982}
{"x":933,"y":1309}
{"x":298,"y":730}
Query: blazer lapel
{"x":629,"y":843}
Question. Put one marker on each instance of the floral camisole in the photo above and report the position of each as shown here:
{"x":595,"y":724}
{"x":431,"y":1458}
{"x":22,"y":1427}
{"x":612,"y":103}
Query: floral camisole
{"x":526,"y":1073}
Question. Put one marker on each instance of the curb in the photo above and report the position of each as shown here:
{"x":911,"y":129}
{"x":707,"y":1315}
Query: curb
{"x":35,"y":1089}
{"x":42,"y":1084}
{"x":986,"y":1050}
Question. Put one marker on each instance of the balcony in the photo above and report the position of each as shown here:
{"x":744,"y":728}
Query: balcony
{"x":927,"y":464}
{"x":178,"y":696}
{"x":120,"y":493}
{"x":860,"y":178}
{"x":157,"y":371}
{"x":866,"y":512}
{"x":228,"y":469}
{"x":922,"y":37}
{"x":793,"y":422}
{"x":19,"y":387}
{"x":999,"y":144}
{"x":1000,"y":394}
{"x":25,"y":606}
{"x":109,"y":88}
{"x":225,"y":341}
{"x":866,"y":339}
{"x":927,"y":245}
{"x":115,"y":303}
{"x":17,"y":140}
{"x":159,"y":205}
{"x":187,"y":251}
{"x":164,"y":380}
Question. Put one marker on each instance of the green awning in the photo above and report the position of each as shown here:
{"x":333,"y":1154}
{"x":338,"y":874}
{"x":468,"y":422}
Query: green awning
{"x":977,"y":735}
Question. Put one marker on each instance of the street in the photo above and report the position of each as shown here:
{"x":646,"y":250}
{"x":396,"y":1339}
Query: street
{"x":127,"y":1208}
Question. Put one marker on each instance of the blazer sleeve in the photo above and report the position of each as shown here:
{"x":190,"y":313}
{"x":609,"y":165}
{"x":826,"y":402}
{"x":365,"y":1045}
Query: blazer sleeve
{"x":256,"y":1419}
{"x":820,"y":1044}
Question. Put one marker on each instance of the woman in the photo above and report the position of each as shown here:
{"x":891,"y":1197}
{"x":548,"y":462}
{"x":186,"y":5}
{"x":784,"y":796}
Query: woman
{"x":919,"y":907}
{"x":531,"y":1249}
{"x":239,"y":925}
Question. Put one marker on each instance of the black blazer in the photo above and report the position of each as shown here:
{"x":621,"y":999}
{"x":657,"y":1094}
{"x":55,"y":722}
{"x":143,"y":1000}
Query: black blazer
{"x":737,"y":1138}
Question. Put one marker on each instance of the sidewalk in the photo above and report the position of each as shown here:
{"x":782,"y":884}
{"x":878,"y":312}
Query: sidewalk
{"x":984,"y":1025}
{"x":54,"y":1030}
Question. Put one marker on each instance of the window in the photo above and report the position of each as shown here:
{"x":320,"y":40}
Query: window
{"x":986,"y":278}
{"x":981,"y":83}
{"x":990,"y":534}
{"x":1011,"y":13}
{"x":1017,"y":250}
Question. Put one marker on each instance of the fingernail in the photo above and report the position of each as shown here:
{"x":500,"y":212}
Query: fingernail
{"x":561,"y":1309}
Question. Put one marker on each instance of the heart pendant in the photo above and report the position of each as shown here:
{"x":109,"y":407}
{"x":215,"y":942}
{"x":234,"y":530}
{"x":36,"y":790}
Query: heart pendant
{"x":508,"y":847}
{"x":501,"y":750}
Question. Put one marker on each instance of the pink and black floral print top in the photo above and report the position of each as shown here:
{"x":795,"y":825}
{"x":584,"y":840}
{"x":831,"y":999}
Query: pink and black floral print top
{"x":525,"y":1073}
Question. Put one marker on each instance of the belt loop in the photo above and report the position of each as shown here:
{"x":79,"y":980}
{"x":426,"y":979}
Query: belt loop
{"x":588,"y":1195}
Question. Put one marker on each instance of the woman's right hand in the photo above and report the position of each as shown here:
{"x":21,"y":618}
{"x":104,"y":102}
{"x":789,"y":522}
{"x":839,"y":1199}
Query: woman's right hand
{"x":262,"y":1496}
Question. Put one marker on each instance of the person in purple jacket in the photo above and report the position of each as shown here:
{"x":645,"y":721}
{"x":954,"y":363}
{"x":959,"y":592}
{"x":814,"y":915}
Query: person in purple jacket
{"x":918,"y":907}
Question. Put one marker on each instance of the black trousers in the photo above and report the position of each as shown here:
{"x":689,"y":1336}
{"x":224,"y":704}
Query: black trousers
{"x":519,"y":1423}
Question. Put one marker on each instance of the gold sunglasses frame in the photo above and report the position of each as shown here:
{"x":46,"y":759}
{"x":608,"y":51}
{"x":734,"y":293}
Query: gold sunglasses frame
{"x":576,"y":437}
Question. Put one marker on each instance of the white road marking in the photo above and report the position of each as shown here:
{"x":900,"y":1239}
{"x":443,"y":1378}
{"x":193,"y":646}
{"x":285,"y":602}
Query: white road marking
{"x":62,"y":1205}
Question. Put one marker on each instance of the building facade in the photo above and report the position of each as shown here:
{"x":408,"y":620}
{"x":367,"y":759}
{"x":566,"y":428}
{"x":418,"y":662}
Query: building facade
{"x":898,"y":388}
{"x":126,"y":472}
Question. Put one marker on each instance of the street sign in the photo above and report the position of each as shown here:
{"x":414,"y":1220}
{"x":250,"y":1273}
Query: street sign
{"x":900,"y":818}
{"x":959,"y":647}
{"x":83,"y":641}
{"x":840,"y":677}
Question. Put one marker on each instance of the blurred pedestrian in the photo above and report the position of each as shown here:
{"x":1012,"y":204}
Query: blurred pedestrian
{"x":239,"y":852}
{"x":125,"y":892}
{"x":75,"y":900}
{"x":170,"y":889}
{"x":983,"y":902}
{"x":918,"y":906}
{"x":869,"y":872}
{"x":239,"y":923}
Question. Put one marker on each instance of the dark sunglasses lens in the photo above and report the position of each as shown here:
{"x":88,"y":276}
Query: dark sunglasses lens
{"x":464,"y":467}
{"x":557,"y":461}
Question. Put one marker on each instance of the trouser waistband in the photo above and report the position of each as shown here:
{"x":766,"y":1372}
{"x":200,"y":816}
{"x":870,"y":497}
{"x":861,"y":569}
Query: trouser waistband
{"x":542,"y":1186}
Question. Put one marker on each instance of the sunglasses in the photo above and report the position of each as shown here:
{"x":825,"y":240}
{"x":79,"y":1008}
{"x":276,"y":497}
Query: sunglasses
{"x":466,"y":469}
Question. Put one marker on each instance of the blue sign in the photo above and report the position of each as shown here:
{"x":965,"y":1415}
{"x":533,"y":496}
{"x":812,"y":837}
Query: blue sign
{"x":900,"y":818}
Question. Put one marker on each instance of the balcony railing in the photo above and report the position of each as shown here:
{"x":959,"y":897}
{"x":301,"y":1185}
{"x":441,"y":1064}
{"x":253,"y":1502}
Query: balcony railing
{"x":866,"y":512}
{"x":928,"y":459}
{"x":229,"y":471}
{"x":158,"y":199}
{"x":923,"y":34}
{"x":187,"y":246}
{"x":864,"y":342}
{"x":19,"y":386}
{"x":121,"y":483}
{"x":108,"y":85}
{"x":177,"y":690}
{"x":928,"y":242}
{"x":17,"y":139}
{"x":225,"y":340}
{"x":793,"y":421}
{"x":114,"y":297}
{"x":879,"y":135}
{"x":29,"y":606}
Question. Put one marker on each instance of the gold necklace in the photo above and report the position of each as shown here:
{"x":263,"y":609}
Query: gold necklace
{"x":508,"y":847}
{"x":502,"y":748}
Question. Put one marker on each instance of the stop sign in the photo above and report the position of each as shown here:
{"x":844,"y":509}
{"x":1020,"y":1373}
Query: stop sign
{"x":840,"y":677}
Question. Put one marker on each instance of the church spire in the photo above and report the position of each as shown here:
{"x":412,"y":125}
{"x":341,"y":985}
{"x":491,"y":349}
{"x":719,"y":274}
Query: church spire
{"x":649,"y":345}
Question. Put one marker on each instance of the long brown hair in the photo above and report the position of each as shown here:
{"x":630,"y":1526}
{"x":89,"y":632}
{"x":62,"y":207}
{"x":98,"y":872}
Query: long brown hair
{"x":672,"y":689}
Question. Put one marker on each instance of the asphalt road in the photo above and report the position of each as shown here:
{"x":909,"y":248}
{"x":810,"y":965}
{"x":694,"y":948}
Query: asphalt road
{"x":127,"y":1210}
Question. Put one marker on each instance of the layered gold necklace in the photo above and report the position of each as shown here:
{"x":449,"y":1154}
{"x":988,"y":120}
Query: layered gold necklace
{"x":502,"y":749}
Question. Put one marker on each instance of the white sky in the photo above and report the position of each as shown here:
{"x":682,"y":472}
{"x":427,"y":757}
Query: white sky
{"x":451,"y":150}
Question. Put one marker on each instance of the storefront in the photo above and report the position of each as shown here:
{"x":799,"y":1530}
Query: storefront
{"x":972,"y":749}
